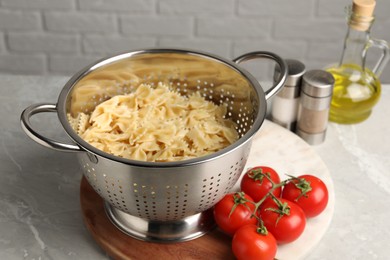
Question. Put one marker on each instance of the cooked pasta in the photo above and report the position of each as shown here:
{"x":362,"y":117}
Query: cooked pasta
{"x":156,"y":124}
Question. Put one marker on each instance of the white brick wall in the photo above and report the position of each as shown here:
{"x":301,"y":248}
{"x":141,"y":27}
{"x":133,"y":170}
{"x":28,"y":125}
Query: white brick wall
{"x":31,"y":42}
{"x":62,"y":36}
{"x":23,"y":63}
{"x":39,"y":4}
{"x":199,"y":7}
{"x":108,"y":44}
{"x":80,"y":22}
{"x":281,"y":8}
{"x":233,"y":27}
{"x":152,"y":25}
{"x":132,"y":6}
{"x":20,"y":20}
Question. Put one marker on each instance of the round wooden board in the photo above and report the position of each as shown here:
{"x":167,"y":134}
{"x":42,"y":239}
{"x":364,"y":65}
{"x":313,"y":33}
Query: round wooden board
{"x":214,"y":245}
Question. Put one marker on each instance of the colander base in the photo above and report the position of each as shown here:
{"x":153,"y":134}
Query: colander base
{"x":181,"y":230}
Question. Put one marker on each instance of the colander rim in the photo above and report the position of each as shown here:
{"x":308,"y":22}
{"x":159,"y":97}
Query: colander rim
{"x":66,"y":90}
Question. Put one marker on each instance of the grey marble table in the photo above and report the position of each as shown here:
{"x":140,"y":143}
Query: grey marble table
{"x":40,"y":216}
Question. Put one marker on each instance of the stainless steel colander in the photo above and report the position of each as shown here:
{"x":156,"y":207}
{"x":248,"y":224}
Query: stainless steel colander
{"x":162,"y":201}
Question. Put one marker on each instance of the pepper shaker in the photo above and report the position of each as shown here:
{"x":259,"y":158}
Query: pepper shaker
{"x":284,"y":107}
{"x":315,"y":98}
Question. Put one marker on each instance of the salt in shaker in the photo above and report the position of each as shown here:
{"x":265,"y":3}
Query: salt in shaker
{"x":284,"y":107}
{"x":315,"y":98}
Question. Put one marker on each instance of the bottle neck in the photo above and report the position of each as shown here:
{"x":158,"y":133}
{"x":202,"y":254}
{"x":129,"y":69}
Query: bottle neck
{"x":356,"y":39}
{"x":354,"y":47}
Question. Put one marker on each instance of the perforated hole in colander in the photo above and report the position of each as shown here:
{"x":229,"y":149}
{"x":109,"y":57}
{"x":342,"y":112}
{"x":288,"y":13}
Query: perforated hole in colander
{"x":149,"y":201}
{"x":89,"y":173}
{"x":173,"y":194}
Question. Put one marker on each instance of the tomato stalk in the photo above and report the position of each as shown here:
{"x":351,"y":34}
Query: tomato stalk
{"x":239,"y":199}
{"x":302,"y":184}
{"x":257,"y":174}
{"x":283,"y":208}
{"x":262,"y":229}
{"x":270,"y":193}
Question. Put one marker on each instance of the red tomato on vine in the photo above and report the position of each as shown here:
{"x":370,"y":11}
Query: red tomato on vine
{"x":250,"y":243}
{"x":309,"y":192}
{"x":256,"y":184}
{"x":234,"y":211}
{"x":284,"y":219}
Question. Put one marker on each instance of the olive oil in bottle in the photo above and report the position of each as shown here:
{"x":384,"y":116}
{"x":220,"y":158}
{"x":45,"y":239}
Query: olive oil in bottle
{"x":355,"y":93}
{"x":357,"y":89}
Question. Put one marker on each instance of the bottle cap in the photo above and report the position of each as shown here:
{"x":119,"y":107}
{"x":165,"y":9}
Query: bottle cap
{"x":362,"y":14}
{"x":363,"y":7}
{"x":292,"y":85}
{"x":317,"y":83}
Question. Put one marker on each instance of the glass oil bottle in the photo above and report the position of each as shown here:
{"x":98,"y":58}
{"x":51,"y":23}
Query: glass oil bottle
{"x":357,"y":88}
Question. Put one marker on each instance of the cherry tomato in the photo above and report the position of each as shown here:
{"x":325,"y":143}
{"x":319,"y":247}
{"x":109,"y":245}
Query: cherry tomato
{"x":309,"y":192}
{"x":256,"y":185}
{"x":249,"y":244}
{"x":234,"y":211}
{"x":285,"y":221}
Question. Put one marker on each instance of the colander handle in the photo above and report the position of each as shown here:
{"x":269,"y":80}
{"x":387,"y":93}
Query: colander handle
{"x":278,"y":84}
{"x":28,"y":129}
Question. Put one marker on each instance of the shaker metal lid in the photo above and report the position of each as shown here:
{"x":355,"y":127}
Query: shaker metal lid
{"x":317,"y":83}
{"x":295,"y":71}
